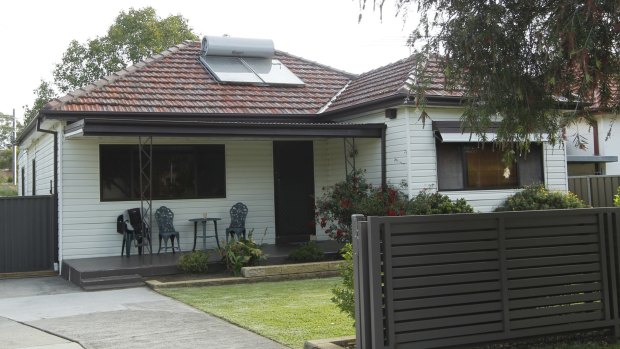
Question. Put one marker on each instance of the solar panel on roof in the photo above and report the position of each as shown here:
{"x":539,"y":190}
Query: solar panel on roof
{"x":230,"y":69}
{"x":272,"y":71}
{"x":247,"y":61}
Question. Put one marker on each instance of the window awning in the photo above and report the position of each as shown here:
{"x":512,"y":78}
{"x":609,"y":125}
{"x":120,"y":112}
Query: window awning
{"x":98,"y":126}
{"x":591,"y":158}
{"x":451,"y":132}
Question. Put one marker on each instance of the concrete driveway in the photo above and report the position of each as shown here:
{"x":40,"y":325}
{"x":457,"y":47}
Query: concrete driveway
{"x":129,"y":318}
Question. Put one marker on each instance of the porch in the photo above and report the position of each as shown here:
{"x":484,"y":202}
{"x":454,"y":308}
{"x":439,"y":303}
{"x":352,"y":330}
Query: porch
{"x":118,"y":272}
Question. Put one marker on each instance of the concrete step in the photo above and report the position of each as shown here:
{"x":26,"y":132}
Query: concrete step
{"x":111,"y":282}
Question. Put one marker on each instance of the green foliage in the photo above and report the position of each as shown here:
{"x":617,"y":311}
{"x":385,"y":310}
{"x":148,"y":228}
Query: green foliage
{"x":6,"y":158}
{"x":196,"y":262}
{"x":518,"y":57}
{"x":134,"y":36}
{"x":43,"y":94}
{"x":538,"y":197}
{"x":84,"y":63}
{"x":309,"y":252}
{"x":617,"y":198}
{"x":426,"y":203}
{"x":237,"y":254}
{"x":344,"y":294}
{"x":6,"y":131}
{"x":7,"y":189}
{"x":355,"y":195}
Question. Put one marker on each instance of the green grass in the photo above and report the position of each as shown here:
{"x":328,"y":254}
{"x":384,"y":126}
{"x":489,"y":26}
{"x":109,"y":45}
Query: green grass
{"x":8,"y":190}
{"x":289,"y":312}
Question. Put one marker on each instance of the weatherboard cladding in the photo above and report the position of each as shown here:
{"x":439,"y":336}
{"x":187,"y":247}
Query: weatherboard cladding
{"x":176,"y":82}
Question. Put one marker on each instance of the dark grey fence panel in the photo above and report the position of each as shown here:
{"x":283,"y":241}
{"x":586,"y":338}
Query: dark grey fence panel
{"x":597,"y":191}
{"x":448,"y":280}
{"x":27,"y":233}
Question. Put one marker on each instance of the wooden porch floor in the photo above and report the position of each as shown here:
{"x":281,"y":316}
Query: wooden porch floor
{"x":117,"y":271}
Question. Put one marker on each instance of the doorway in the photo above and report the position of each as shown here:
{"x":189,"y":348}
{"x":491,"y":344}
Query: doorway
{"x":293,"y":168}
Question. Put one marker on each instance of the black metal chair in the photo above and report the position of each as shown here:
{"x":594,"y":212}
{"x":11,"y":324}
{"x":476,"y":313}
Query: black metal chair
{"x":238,"y":213}
{"x":134,"y":229}
{"x":164,"y":217}
{"x":128,"y":235}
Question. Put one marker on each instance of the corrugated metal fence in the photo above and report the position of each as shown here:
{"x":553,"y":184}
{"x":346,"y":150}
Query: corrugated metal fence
{"x":28,"y":237}
{"x":449,"y":280}
{"x":597,"y":191}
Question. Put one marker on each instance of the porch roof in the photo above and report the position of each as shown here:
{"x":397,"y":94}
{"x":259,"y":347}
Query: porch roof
{"x":101,"y":126}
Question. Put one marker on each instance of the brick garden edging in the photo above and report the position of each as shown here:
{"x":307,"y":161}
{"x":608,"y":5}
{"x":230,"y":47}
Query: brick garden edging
{"x":320,"y":269}
{"x":332,"y":343}
{"x":261,"y":273}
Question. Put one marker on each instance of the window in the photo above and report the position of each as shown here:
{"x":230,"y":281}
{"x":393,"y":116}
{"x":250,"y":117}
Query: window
{"x":471,"y":166}
{"x":179,"y":172}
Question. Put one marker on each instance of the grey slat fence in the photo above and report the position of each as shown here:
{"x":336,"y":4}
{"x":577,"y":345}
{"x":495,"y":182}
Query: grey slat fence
{"x":449,"y":280}
{"x":597,"y":191}
{"x":28,"y":233}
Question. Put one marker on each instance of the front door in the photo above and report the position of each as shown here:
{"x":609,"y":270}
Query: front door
{"x":293,"y":168}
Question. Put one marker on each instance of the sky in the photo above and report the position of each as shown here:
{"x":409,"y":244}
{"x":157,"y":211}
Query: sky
{"x":34,"y":34}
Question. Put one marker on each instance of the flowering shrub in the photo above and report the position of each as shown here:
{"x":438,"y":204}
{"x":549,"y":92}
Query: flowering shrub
{"x":617,"y":198}
{"x":356,"y":195}
{"x":537,"y":197}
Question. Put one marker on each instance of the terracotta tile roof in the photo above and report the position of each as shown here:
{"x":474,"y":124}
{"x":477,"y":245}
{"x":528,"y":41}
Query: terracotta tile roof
{"x":613,"y":102}
{"x":388,"y":81}
{"x":176,"y":82}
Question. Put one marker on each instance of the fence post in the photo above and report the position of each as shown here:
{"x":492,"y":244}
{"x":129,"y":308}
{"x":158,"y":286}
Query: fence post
{"x":613,"y":236}
{"x":360,"y":281}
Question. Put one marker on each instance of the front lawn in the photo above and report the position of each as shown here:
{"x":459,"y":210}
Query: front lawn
{"x":289,"y":312}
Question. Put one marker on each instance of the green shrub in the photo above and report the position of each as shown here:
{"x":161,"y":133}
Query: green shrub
{"x":309,"y":252}
{"x":617,"y":198}
{"x":195,"y":262}
{"x":426,"y":203}
{"x":355,"y":195}
{"x":241,"y":253}
{"x":538,"y":197}
{"x":8,"y":190}
{"x":344,"y":295}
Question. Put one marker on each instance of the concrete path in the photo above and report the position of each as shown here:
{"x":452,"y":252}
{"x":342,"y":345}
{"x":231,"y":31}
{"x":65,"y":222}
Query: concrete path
{"x":129,"y":318}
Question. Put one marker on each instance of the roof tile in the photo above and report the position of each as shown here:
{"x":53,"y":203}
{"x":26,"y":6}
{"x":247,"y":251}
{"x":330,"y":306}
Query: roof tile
{"x":176,"y":82}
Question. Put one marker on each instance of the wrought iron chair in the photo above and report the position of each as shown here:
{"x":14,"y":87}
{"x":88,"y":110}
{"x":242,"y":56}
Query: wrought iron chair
{"x":164,"y":217}
{"x":238,"y":213}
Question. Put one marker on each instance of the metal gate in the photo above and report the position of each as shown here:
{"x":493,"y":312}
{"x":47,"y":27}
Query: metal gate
{"x":28,"y":233}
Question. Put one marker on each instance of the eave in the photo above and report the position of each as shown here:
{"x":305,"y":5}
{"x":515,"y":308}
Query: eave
{"x":94,"y":126}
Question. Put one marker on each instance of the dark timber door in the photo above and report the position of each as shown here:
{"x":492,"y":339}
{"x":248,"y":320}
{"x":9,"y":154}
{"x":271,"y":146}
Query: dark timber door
{"x":293,"y":163}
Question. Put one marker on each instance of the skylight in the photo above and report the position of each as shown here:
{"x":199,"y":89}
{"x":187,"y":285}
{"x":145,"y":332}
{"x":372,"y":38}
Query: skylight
{"x":245,"y":61}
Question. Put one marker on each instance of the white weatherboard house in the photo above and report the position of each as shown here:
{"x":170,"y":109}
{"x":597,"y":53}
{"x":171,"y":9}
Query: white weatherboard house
{"x":600,"y":156}
{"x":233,"y":120}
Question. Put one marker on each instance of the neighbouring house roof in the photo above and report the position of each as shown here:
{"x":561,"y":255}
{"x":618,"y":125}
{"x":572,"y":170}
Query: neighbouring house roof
{"x":176,"y":82}
{"x":614,"y":100}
